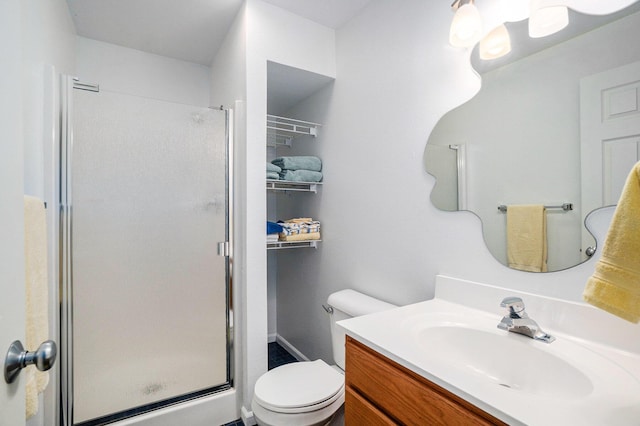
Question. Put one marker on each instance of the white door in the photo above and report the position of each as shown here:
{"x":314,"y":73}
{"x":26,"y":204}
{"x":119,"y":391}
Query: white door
{"x":12,"y":398}
{"x":12,"y":403}
{"x":610,"y":132}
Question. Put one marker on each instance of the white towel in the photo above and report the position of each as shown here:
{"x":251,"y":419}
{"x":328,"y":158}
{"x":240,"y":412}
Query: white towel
{"x":37,"y":299}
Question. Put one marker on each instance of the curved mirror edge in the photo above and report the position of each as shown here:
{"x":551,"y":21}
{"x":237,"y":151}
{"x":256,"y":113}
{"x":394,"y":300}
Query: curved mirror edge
{"x":442,"y":161}
{"x":596,"y":224}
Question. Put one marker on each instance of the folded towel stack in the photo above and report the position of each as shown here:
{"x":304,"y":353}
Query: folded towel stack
{"x":299,"y":168}
{"x":300,"y":229}
{"x":273,"y":171}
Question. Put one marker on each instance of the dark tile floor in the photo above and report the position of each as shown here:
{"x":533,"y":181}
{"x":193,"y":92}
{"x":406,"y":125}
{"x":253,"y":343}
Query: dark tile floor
{"x":277,"y":356}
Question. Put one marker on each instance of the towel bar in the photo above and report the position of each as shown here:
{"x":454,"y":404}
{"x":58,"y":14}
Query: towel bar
{"x":565,"y":206}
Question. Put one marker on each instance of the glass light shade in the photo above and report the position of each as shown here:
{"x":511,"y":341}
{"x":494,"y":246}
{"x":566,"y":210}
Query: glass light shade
{"x":547,"y":20}
{"x":495,"y":44}
{"x":466,"y":27}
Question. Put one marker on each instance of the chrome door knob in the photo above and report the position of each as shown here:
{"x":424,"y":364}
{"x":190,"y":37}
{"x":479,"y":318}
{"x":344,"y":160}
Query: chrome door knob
{"x":17,"y":358}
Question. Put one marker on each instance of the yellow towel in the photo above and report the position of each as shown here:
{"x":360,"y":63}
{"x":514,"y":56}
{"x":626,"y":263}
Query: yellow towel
{"x":615,"y":284}
{"x":300,"y":237}
{"x":299,"y":220}
{"x":527,"y":238}
{"x":37,"y":308}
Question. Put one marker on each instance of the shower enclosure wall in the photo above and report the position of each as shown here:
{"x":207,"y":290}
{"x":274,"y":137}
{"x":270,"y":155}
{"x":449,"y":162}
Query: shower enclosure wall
{"x":145,"y":253}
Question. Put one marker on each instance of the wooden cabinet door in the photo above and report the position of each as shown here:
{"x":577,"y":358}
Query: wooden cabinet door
{"x":403,"y":396}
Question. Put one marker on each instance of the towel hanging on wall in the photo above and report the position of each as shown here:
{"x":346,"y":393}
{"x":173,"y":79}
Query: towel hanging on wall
{"x":615,"y":284}
{"x":36,"y":292}
{"x":527,"y":237}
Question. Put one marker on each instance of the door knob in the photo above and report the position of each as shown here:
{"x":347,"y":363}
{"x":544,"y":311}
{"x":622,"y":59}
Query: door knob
{"x":17,"y":358}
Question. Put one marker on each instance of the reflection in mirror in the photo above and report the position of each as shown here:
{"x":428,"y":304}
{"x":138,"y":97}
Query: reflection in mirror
{"x":521,"y":135}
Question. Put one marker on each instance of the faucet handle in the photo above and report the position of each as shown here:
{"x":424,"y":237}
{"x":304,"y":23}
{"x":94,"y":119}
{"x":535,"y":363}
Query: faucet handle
{"x":515,"y":306}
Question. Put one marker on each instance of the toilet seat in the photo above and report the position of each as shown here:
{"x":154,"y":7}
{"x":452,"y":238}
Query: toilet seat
{"x":299,"y":387}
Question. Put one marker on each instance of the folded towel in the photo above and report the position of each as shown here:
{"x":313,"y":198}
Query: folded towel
{"x":300,"y":162}
{"x":301,"y":176}
{"x":272,"y":238}
{"x":299,"y":227}
{"x":273,"y":168}
{"x":37,"y":299}
{"x":527,"y":238}
{"x":300,"y":237}
{"x":273,"y":228}
{"x":273,"y":175}
{"x":615,"y":284}
{"x":299,"y":220}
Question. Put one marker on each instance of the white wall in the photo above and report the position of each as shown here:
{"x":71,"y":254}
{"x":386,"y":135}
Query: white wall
{"x":269,"y":37}
{"x":396,"y":76}
{"x":48,"y":39}
{"x":228,"y":69}
{"x":522,"y":133}
{"x":228,"y":88}
{"x":138,"y":73}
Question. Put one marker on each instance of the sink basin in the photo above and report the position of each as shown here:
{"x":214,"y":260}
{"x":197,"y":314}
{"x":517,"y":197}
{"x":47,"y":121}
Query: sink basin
{"x":453,"y":341}
{"x":505,"y":360}
{"x":468,"y":344}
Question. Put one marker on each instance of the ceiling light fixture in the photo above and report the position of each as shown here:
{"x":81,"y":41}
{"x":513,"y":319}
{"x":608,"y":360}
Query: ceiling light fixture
{"x":467,"y":26}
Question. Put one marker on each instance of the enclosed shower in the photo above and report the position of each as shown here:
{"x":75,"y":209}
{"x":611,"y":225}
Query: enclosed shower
{"x":145,"y":254}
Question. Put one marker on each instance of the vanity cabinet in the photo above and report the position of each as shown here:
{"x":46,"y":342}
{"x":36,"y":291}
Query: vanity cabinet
{"x":382,"y":392}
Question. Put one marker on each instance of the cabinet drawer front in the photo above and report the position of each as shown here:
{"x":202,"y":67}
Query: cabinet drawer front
{"x":405,"y":396}
{"x":358,"y":411}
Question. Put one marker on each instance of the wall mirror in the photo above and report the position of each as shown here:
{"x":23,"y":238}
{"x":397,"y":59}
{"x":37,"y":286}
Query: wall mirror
{"x":519,"y":140}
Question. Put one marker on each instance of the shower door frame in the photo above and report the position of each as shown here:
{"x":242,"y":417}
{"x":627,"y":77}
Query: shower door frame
{"x":67,"y":85}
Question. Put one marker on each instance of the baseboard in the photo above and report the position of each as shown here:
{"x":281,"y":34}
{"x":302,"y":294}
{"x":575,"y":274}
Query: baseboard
{"x":247,"y":417}
{"x":272,"y":337}
{"x":291,"y":349}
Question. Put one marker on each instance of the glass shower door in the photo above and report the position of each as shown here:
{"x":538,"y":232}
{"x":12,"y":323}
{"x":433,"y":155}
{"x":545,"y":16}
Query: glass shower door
{"x":148,"y":202}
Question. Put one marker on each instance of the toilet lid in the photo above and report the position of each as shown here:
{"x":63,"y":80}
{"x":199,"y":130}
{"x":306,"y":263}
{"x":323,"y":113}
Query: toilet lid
{"x":299,"y":385}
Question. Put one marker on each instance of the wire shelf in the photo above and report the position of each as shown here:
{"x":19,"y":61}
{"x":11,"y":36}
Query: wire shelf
{"x":284,"y":185}
{"x":280,"y":245}
{"x":281,"y":130}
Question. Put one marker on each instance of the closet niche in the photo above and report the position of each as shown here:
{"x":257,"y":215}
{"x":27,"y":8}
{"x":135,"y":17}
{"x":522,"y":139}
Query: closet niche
{"x":293,"y":129}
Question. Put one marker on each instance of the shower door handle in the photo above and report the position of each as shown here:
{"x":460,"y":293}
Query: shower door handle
{"x":223,"y":249}
{"x":17,"y":358}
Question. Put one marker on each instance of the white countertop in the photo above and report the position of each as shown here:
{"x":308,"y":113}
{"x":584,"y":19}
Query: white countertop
{"x":415,"y":336}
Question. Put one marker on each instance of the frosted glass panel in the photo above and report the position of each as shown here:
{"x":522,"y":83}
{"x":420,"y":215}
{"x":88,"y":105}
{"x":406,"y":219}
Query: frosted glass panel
{"x":149,"y":290}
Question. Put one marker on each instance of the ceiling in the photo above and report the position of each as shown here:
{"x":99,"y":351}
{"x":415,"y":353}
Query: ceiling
{"x":189,"y":30}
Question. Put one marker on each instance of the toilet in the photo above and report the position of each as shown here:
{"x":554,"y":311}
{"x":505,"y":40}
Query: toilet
{"x":311,"y":393}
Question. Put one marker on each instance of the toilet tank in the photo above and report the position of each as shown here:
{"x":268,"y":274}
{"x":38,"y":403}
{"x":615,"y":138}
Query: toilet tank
{"x":348,"y":304}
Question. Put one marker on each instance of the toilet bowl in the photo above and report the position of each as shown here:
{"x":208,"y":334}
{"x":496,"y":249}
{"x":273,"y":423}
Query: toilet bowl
{"x":301,"y":393}
{"x":310,"y":393}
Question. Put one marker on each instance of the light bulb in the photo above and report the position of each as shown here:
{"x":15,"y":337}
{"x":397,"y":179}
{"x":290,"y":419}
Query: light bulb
{"x":495,"y":44}
{"x":547,"y":20}
{"x":466,"y":26}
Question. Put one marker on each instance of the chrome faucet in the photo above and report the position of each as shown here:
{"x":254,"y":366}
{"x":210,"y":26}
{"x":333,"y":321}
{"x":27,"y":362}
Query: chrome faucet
{"x":517,"y":321}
